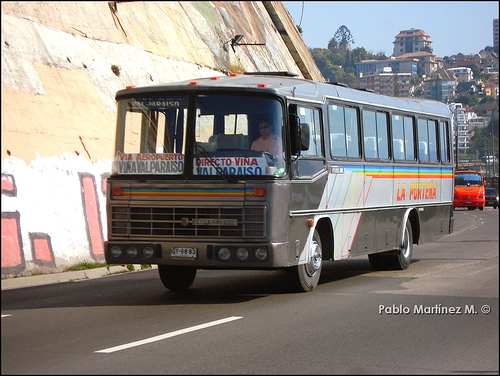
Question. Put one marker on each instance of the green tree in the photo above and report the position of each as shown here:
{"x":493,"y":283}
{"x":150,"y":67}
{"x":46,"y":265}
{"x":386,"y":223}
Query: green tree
{"x":427,"y":48}
{"x":325,"y":60}
{"x":343,"y":37}
{"x":487,"y":99}
{"x":481,"y":143}
{"x":333,"y":45}
{"x":468,"y":100}
{"x":337,"y":62}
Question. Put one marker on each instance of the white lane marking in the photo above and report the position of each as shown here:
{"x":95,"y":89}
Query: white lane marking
{"x":168,"y":335}
{"x":6,"y":316}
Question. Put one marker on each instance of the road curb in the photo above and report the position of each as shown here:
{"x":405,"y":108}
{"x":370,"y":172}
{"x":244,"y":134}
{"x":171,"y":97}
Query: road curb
{"x":45,"y":279}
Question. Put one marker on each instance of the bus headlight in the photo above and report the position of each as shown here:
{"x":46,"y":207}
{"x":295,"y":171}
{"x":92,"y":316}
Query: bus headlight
{"x":147,"y":252}
{"x":261,"y":254}
{"x":242,"y":254}
{"x":224,"y":254}
{"x":115,"y":251}
{"x":132,"y":252}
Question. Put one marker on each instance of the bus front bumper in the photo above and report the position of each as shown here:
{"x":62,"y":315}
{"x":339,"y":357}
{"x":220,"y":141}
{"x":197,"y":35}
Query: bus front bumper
{"x":217,"y":255}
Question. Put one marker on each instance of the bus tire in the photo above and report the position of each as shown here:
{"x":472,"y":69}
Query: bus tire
{"x":305,"y":277}
{"x":177,"y":278}
{"x":402,"y":258}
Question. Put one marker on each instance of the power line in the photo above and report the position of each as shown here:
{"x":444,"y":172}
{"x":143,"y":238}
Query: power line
{"x":302,"y":13}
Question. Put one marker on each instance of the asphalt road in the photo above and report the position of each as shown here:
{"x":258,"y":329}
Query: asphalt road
{"x":440,"y":316}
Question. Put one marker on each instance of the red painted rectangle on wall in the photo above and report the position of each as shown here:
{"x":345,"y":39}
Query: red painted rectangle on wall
{"x":91,"y":206}
{"x":11,"y":243}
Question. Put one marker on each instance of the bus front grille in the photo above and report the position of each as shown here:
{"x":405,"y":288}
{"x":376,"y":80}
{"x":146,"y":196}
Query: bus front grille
{"x":160,"y":222}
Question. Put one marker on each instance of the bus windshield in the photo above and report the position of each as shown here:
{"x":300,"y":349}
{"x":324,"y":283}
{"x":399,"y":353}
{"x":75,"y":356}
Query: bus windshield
{"x":468,"y":180}
{"x":231,"y":135}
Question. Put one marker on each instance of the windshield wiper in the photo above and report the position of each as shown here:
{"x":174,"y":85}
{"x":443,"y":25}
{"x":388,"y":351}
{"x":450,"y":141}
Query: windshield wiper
{"x":211,"y":160}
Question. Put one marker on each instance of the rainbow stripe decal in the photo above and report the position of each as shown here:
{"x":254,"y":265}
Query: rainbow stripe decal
{"x":405,"y":172}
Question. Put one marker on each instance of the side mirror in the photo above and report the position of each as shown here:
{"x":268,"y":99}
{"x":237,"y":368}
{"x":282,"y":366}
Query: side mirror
{"x":305,"y":135}
{"x":300,"y":134}
{"x":294,"y":133}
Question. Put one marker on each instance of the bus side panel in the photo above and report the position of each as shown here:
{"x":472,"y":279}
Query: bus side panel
{"x":381,"y":196}
{"x":387,"y":229}
{"x":447,"y":184}
{"x":345,"y":229}
{"x":378,"y":186}
{"x":305,"y":196}
{"x":345,"y":187}
{"x":434,"y":223}
{"x":404,"y":184}
{"x":434,"y":187}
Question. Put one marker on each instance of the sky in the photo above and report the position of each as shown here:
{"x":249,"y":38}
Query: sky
{"x":453,"y":26}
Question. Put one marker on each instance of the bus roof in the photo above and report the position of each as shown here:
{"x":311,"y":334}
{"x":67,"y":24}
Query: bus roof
{"x":292,"y":87}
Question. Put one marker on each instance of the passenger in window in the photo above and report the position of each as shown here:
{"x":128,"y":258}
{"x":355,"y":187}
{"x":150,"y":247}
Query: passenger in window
{"x":268,"y":141}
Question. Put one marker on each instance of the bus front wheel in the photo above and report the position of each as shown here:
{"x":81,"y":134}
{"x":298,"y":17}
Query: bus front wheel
{"x":305,"y":277}
{"x":177,"y":278}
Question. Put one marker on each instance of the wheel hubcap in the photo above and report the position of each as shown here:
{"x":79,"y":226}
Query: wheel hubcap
{"x":406,"y":245}
{"x":315,"y":259}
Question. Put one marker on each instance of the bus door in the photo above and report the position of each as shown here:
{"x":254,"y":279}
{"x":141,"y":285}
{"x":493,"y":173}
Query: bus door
{"x":308,"y":172}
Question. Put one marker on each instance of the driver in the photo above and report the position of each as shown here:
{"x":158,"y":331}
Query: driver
{"x":268,"y":141}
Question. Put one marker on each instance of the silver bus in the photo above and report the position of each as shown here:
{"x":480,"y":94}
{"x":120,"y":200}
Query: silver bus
{"x":270,"y":171}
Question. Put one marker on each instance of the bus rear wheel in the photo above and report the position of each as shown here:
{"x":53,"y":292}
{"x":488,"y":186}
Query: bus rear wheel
{"x":402,"y":258}
{"x":177,"y":278}
{"x":305,"y":277}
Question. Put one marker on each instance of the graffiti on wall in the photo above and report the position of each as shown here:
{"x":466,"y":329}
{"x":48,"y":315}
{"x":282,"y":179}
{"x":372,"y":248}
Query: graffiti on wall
{"x":25,"y":246}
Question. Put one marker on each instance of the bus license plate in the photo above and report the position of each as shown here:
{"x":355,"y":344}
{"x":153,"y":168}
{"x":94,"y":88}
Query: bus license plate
{"x":184,"y":252}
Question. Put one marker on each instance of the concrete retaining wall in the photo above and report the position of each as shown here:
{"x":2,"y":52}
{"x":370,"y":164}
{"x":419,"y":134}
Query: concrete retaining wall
{"x":62,"y":63}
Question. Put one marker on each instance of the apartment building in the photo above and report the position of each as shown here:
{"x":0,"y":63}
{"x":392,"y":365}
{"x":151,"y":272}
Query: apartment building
{"x":460,"y":125}
{"x":394,"y":65}
{"x":475,"y":120}
{"x":463,"y":74}
{"x":386,"y":83}
{"x":491,"y":88}
{"x":426,"y":62}
{"x":495,"y":34}
{"x":409,"y":41}
{"x":440,"y":86}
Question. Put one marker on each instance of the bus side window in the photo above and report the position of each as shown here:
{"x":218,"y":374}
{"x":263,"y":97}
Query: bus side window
{"x":422,"y":151}
{"x":383,"y":135}
{"x":409,"y":138}
{"x":310,"y":131}
{"x":423,"y":137}
{"x":398,"y":145}
{"x":370,"y":147}
{"x":352,"y":132}
{"x":337,"y":131}
{"x":398,"y":149}
{"x":370,"y":134}
{"x":433,"y":149}
{"x":444,"y":141}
